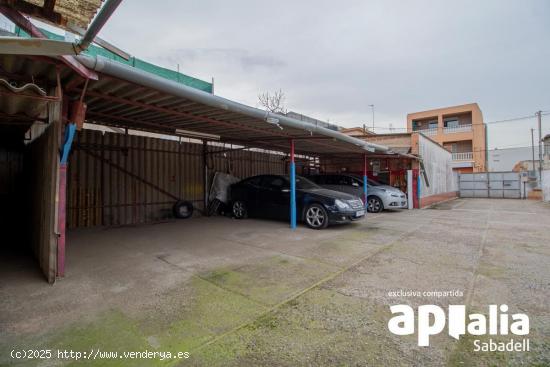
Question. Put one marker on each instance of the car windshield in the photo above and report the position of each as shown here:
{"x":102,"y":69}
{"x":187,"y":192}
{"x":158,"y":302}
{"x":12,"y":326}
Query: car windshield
{"x":303,"y":183}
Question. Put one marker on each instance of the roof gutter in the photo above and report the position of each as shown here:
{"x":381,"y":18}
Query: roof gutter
{"x":119,"y":70}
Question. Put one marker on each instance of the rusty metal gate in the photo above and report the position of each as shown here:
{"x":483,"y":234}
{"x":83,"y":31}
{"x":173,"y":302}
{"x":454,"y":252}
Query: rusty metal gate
{"x":504,"y":185}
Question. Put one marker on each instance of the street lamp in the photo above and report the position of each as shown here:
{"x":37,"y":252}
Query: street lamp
{"x":372,"y":106}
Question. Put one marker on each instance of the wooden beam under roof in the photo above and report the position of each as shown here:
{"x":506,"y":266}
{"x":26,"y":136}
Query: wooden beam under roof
{"x":46,"y":12}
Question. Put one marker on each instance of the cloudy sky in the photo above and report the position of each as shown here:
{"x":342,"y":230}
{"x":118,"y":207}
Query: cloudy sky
{"x":333,"y":59}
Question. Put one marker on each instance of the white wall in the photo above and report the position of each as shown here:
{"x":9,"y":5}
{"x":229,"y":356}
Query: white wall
{"x":503,"y":160}
{"x":438,"y":165}
{"x":546,"y":185}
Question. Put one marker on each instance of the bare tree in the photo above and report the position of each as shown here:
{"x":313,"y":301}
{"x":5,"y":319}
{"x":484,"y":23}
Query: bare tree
{"x":273,"y":102}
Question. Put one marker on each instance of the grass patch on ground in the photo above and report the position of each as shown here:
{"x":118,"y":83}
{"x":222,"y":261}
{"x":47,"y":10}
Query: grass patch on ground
{"x":319,"y":328}
{"x":272,"y":280}
{"x":181,"y":320}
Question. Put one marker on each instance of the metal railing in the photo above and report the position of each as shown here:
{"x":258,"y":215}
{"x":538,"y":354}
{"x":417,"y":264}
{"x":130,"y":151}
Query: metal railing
{"x":466,"y":156}
{"x":428,"y":132}
{"x":457,"y":129}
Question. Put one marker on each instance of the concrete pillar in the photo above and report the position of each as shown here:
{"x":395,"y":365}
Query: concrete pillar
{"x":410,"y":184}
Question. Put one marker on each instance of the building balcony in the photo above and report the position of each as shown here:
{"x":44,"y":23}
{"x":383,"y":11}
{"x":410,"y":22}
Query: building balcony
{"x":428,"y":132}
{"x":466,"y":156}
{"x":457,"y":129}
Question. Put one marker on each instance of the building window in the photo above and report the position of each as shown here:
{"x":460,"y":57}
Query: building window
{"x":451,"y":122}
{"x":421,"y":125}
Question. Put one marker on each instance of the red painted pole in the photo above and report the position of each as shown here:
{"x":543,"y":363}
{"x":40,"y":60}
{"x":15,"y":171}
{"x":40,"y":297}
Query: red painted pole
{"x":61,"y":219}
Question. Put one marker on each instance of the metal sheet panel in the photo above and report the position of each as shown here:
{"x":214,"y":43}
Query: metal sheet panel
{"x":492,"y":185}
{"x":512,"y":194}
{"x":511,"y":185}
{"x":495,"y":176}
{"x":510,"y":176}
{"x":466,"y":185}
{"x":467,"y":193}
{"x":496,"y":185}
{"x":481,"y":193}
{"x":466,"y":177}
{"x":480,"y":185}
{"x":118,"y":179}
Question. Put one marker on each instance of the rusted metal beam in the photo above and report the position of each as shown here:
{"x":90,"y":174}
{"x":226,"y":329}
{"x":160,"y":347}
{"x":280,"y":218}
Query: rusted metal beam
{"x":103,"y":116}
{"x":15,"y":16}
{"x":49,"y":6}
{"x":106,"y":45}
{"x":47,"y":12}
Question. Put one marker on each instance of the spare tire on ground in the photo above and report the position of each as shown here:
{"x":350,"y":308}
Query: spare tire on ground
{"x":183,"y":209}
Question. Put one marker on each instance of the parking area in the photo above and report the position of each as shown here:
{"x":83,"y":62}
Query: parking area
{"x":251,"y":292}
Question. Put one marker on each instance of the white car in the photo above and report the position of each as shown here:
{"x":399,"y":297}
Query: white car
{"x":379,"y":196}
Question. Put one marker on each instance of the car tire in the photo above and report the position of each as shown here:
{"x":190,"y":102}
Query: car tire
{"x":316,"y":216}
{"x":182,"y":209}
{"x":374,"y":204}
{"x":239,"y":209}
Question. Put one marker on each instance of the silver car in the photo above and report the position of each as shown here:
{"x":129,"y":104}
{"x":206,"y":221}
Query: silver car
{"x":379,"y":196}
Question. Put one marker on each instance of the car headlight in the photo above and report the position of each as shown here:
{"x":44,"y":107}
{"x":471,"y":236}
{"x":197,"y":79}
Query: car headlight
{"x":340,"y":204}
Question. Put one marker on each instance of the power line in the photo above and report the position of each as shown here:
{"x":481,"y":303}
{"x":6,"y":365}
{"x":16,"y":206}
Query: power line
{"x":544,"y":113}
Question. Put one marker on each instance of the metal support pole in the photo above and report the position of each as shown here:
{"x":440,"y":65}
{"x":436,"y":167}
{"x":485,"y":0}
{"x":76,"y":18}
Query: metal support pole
{"x":97,"y":23}
{"x":533,"y":147}
{"x":539,"y":115}
{"x":62,"y":198}
{"x":205,"y":173}
{"x":418,"y":188}
{"x":410,"y":196}
{"x":372,"y":106}
{"x":292,"y":187}
{"x":365,"y":183}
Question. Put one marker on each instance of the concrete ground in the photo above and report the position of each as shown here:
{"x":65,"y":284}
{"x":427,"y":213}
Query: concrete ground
{"x":251,"y":292}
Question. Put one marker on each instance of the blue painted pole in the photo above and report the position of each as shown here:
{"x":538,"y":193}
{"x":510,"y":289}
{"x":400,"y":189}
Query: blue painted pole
{"x":418,"y":187}
{"x":292,"y":187}
{"x":66,"y":148}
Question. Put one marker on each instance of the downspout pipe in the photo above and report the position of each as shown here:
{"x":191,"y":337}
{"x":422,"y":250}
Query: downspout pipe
{"x":99,"y":21}
{"x":122,"y":71}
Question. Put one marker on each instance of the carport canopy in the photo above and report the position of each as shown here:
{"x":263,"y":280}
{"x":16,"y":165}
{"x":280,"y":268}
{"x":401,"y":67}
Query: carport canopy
{"x":126,"y":97}
{"x":129,"y":98}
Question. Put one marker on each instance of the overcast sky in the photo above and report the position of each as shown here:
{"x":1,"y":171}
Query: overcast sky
{"x":334,"y":58}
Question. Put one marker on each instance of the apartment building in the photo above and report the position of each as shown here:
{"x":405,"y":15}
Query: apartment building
{"x":459,"y":129}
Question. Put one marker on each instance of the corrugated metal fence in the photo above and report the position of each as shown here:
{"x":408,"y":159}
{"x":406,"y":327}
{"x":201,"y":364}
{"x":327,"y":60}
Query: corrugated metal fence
{"x":117,"y":179}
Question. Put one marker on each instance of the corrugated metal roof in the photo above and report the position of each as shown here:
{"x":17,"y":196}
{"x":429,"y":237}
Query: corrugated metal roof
{"x":115,"y":102}
{"x":22,"y":100}
{"x":118,"y":102}
{"x":132,"y":61}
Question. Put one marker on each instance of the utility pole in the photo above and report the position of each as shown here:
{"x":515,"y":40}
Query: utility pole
{"x":372,"y":106}
{"x":539,"y":115}
{"x":533,"y":146}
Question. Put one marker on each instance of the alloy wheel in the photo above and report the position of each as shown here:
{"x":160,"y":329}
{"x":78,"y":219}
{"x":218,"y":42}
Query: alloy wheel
{"x":374,"y":205}
{"x":239,"y":209}
{"x":315,"y":217}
